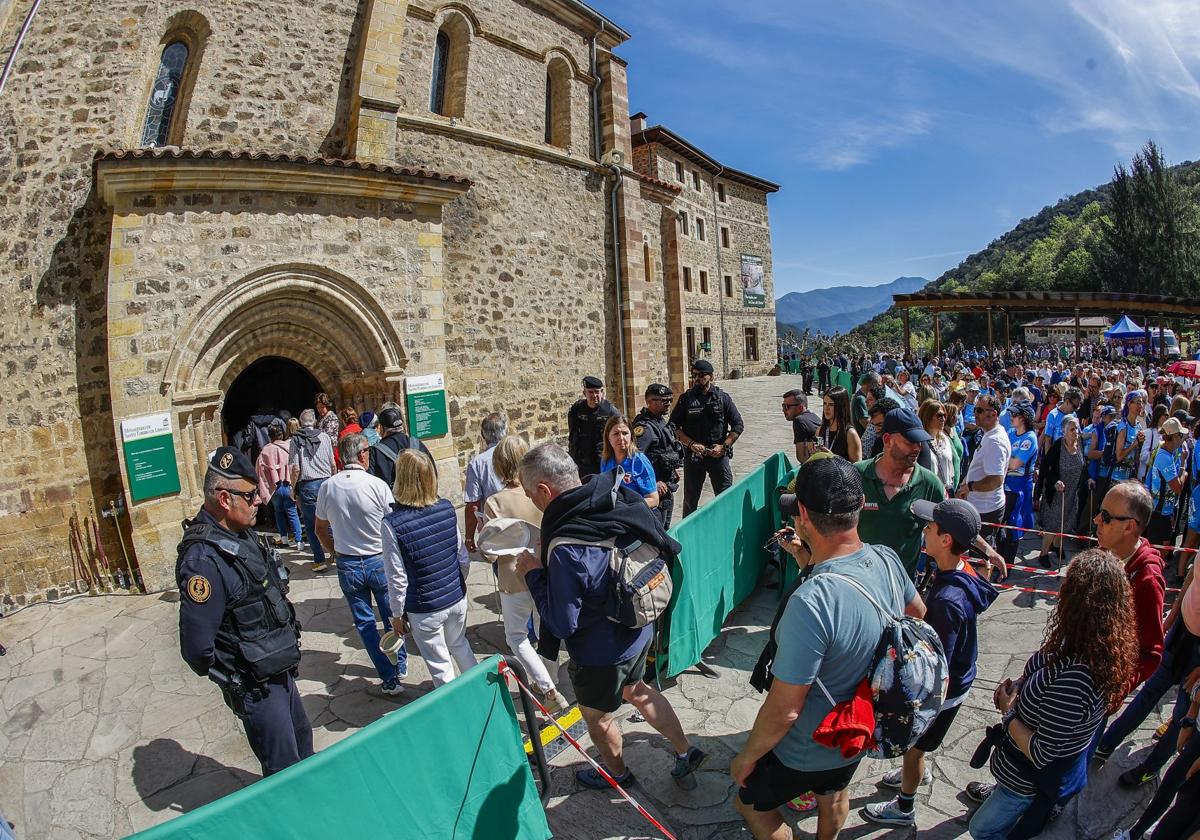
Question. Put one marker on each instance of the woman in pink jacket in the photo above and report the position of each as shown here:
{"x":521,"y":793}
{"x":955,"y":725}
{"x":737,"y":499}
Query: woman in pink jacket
{"x":275,"y":484}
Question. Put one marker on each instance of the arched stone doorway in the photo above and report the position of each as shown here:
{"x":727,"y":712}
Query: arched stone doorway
{"x":270,"y":385}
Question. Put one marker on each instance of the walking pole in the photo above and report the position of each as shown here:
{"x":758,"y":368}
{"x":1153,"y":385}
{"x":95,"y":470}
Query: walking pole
{"x":1062,"y":521}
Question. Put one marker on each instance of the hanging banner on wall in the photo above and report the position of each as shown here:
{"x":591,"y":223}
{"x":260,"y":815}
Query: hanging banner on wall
{"x":754,"y":290}
{"x":426,"y":398}
{"x":150,"y":464}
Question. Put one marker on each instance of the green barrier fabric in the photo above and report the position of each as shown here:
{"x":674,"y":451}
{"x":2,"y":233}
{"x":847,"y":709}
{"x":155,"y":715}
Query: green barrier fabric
{"x":837,"y":376}
{"x":448,"y":765}
{"x":721,"y":560}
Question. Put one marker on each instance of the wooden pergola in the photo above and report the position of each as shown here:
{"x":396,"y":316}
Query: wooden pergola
{"x":1162,"y":308}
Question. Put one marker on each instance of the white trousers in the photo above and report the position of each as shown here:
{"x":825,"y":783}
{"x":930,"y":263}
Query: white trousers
{"x":517,"y":607}
{"x":441,"y":635}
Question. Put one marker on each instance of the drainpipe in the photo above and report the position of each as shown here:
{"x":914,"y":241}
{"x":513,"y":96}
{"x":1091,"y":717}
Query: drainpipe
{"x":12,"y":56}
{"x":720,"y":274}
{"x":614,"y":203}
{"x":595,"y":70}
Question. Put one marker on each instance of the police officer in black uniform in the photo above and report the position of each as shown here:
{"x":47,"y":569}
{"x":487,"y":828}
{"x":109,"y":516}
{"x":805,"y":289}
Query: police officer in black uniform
{"x":585,"y":425}
{"x":236,"y":625}
{"x":706,"y":422}
{"x":655,"y":437}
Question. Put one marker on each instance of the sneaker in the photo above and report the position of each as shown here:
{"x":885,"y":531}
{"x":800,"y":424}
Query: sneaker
{"x":1136,"y":776}
{"x":319,"y":567}
{"x":554,"y":702}
{"x":1044,"y":561}
{"x":891,"y":779}
{"x":392,"y":687}
{"x":1121,"y":834}
{"x":889,"y":813}
{"x":589,"y":778}
{"x":1056,"y":811}
{"x":685,"y":766}
{"x":636,"y":717}
{"x":1102,"y":755}
{"x":401,"y":670}
{"x":979,"y":791}
{"x":803,"y":803}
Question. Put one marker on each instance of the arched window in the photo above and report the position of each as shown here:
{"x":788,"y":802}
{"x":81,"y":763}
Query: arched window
{"x":558,"y":103}
{"x":448,"y":83}
{"x":441,"y":67}
{"x":165,"y":94}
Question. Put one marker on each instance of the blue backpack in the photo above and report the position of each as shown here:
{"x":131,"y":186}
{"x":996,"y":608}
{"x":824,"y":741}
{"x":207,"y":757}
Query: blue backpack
{"x":908,"y":677}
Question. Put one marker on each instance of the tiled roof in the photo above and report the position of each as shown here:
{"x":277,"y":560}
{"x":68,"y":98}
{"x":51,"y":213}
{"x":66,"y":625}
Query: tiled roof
{"x":177,"y":153}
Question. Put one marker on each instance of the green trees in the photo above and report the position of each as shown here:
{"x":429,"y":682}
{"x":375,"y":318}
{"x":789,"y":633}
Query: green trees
{"x":1152,"y":231}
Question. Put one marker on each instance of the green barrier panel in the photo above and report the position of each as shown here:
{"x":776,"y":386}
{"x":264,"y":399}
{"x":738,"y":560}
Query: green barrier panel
{"x":841,"y":377}
{"x":721,"y":560}
{"x":448,"y":765}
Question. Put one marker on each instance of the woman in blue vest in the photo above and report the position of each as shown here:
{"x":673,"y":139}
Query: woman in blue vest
{"x":426,"y":564}
{"x":619,"y":451}
{"x":1018,"y":483}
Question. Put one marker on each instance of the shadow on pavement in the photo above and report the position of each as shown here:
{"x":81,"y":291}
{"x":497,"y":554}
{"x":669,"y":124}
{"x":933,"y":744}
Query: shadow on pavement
{"x":169,"y":777}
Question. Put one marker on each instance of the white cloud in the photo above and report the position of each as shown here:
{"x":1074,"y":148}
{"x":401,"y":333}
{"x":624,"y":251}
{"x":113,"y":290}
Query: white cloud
{"x":855,"y":140}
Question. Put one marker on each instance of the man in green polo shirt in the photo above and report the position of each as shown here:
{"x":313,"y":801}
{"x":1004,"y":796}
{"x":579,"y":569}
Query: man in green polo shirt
{"x":892,"y":481}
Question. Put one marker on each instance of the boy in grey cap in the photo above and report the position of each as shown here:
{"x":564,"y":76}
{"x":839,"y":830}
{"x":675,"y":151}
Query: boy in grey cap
{"x":954,"y":602}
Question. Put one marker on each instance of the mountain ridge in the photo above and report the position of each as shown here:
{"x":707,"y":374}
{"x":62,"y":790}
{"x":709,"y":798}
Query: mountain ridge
{"x":838,"y":309}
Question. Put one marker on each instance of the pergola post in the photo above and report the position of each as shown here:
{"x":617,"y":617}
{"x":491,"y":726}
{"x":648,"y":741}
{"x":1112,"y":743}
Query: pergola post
{"x":1078,"y":354}
{"x":1007,"y":332}
{"x":991,"y":339}
{"x":937,"y":333}
{"x":1149,"y":346}
{"x":907,"y":347}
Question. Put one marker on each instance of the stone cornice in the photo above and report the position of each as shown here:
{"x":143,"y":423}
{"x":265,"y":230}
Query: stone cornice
{"x":457,"y":130}
{"x":121,"y":173}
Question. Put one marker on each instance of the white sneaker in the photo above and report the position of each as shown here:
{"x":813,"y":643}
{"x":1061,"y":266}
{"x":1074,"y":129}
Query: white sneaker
{"x":554,"y":702}
{"x":891,"y":779}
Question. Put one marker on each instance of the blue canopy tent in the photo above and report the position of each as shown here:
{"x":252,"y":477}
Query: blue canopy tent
{"x":1125,"y":330}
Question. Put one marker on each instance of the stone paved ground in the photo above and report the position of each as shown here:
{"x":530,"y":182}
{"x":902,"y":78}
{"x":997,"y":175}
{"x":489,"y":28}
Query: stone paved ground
{"x":105,"y":731}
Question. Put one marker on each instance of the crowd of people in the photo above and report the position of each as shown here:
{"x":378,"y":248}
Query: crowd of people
{"x":898,"y":508}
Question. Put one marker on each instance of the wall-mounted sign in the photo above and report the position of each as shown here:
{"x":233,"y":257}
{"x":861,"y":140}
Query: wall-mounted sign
{"x":150,"y":462}
{"x":754,"y":290}
{"x":428,"y":416}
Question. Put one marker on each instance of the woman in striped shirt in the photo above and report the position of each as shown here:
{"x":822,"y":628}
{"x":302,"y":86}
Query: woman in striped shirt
{"x":1053,"y":711}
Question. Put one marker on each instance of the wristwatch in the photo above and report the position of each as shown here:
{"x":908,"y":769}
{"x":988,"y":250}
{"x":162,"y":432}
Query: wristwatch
{"x":1187,"y":721}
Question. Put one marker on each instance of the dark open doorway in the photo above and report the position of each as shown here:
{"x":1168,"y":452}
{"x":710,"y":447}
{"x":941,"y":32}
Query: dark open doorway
{"x":268,"y":386}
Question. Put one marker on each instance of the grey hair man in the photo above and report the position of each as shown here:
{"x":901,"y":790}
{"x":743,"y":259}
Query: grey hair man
{"x":608,"y":659}
{"x":350,"y":510}
{"x":310,"y":463}
{"x":482,"y":480}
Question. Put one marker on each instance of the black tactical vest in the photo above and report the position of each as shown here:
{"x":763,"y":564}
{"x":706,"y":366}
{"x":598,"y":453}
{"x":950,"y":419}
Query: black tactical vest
{"x":259,"y":636}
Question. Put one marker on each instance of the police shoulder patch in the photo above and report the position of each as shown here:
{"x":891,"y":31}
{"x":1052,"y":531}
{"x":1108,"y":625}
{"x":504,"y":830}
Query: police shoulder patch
{"x":639,"y":430}
{"x":198,"y":588}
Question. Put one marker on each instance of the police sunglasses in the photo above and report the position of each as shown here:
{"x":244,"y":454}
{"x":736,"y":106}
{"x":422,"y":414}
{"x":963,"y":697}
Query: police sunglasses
{"x":248,"y":495}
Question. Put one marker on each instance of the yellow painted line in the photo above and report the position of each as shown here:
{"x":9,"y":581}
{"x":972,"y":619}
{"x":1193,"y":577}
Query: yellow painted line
{"x":571,"y":717}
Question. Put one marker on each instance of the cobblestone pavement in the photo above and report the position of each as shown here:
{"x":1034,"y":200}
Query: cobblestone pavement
{"x":105,"y":731}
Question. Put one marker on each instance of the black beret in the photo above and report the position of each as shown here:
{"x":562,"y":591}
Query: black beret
{"x":229,"y":462}
{"x":592,"y":382}
{"x":658,"y":390}
{"x":702,"y":365}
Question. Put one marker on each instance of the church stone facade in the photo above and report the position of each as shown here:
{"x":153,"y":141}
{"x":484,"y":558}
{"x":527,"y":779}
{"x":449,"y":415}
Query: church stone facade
{"x":351,"y":194}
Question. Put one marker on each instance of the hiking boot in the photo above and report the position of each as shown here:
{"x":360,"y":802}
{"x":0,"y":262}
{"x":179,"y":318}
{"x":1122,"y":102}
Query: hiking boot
{"x":590,"y":778}
{"x":392,"y":687}
{"x":684,"y":771}
{"x":319,"y":567}
{"x":891,"y":779}
{"x":979,"y":791}
{"x":1136,"y":776}
{"x":889,"y":813}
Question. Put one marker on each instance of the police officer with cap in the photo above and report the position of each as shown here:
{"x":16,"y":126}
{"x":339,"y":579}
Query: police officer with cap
{"x":655,"y":437}
{"x":236,"y":625}
{"x":585,"y":425}
{"x":706,"y":422}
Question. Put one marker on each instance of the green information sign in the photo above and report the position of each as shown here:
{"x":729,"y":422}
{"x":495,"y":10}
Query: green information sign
{"x":427,"y":413}
{"x":150,"y":456}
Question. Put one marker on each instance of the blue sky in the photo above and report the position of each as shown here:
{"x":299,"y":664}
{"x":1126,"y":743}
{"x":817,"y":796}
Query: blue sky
{"x":908,"y":134}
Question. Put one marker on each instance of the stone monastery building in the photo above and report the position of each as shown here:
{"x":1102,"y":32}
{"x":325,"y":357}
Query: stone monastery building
{"x":208,"y":208}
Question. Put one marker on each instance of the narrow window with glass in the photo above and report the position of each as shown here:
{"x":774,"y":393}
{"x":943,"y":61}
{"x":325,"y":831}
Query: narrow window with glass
{"x":441,"y":66}
{"x":164,"y":96}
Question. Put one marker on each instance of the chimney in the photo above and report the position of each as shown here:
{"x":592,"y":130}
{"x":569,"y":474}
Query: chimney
{"x":637,"y":123}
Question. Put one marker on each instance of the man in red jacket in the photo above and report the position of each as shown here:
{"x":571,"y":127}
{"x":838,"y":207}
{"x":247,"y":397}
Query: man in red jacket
{"x":1123,"y":516}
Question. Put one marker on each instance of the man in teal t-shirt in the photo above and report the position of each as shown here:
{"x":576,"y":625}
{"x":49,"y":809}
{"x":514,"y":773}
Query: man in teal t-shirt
{"x":1165,"y":480}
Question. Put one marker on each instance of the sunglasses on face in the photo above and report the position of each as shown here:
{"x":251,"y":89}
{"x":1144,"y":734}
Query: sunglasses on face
{"x":248,"y":495}
{"x":790,"y":405}
{"x":1107,"y":517}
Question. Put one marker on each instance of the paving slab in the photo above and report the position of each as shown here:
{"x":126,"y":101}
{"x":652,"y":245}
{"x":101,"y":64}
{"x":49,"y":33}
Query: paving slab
{"x":105,"y":731}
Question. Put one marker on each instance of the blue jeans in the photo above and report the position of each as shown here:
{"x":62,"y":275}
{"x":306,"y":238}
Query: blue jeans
{"x":306,"y":495}
{"x":362,"y":578}
{"x":285,"y":512}
{"x":998,"y":814}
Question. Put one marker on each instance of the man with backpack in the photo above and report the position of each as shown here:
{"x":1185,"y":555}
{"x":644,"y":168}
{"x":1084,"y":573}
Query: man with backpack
{"x":382,"y":463}
{"x":828,"y":637}
{"x":955,"y":600}
{"x":585,"y":530}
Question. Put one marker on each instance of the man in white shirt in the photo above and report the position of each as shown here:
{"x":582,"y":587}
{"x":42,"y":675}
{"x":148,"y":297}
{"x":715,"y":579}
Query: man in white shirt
{"x":983,"y":485}
{"x":482,"y":480}
{"x":350,"y":510}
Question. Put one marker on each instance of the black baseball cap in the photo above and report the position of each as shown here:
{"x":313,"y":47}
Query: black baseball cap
{"x":826,"y":484}
{"x":957,"y":517}
{"x":702,"y":366}
{"x":657,"y":389}
{"x":904,"y":421}
{"x":230,"y":462}
{"x":391,"y":418}
{"x":593,"y":382}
